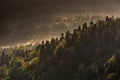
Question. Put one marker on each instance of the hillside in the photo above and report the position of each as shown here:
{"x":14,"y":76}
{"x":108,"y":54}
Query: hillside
{"x":90,"y":52}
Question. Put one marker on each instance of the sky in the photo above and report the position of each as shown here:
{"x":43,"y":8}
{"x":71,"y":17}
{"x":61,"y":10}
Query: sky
{"x":25,"y":20}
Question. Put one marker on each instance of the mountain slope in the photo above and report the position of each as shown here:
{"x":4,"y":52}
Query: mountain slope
{"x":88,"y":53}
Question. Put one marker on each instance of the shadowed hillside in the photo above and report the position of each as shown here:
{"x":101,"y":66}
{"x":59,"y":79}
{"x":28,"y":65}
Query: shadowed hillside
{"x":90,"y":52}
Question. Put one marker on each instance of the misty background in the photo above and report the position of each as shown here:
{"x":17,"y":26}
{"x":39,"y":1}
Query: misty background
{"x":23,"y":21}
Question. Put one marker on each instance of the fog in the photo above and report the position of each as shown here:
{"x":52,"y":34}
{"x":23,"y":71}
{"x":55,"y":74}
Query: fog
{"x":23,"y":21}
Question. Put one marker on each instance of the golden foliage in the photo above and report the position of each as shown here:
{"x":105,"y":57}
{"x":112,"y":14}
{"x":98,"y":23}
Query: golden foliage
{"x":113,"y":59}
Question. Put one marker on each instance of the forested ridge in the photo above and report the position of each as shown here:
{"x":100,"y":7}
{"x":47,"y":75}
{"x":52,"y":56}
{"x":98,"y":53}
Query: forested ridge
{"x":90,"y":52}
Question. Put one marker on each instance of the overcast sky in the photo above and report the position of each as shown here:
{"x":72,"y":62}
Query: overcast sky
{"x":18,"y":18}
{"x":12,"y":7}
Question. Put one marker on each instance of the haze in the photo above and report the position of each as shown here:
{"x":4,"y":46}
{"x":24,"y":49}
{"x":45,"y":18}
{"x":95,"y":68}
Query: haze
{"x":23,"y":21}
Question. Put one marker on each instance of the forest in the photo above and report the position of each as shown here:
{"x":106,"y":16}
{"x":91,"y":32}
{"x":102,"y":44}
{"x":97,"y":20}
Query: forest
{"x":89,"y":52}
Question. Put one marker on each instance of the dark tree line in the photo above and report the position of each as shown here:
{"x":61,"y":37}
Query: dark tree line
{"x":90,"y":52}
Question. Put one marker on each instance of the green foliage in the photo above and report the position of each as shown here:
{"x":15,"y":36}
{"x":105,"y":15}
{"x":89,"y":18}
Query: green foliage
{"x":112,"y":60}
{"x":112,"y":76}
{"x":91,"y":52}
{"x":59,"y":46}
{"x":33,"y":63}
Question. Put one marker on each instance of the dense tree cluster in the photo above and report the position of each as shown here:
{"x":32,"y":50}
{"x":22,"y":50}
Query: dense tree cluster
{"x":90,"y":52}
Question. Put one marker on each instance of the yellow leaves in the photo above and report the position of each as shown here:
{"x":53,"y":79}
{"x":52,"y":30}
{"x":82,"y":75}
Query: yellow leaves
{"x":32,"y":64}
{"x":24,"y":66}
{"x":21,"y":62}
{"x":61,"y":44}
{"x":113,"y":59}
{"x":111,"y":76}
{"x":34,"y":60}
{"x":4,"y":71}
{"x":32,"y":52}
{"x":20,"y":59}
